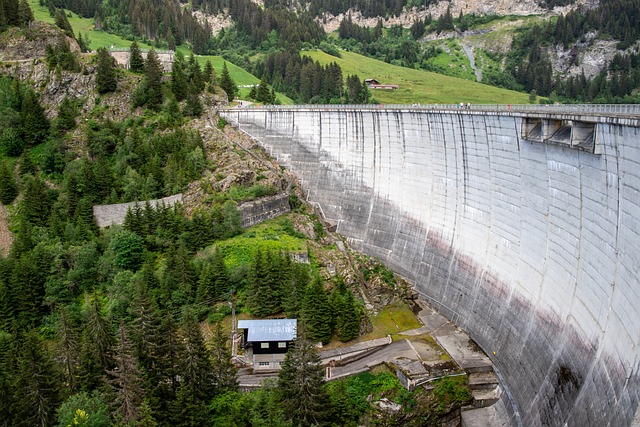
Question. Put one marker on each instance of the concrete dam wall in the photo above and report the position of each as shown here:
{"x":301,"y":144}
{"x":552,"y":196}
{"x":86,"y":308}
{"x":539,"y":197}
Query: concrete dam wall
{"x":532,"y":247}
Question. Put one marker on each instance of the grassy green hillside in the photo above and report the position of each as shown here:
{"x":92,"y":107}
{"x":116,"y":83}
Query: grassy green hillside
{"x":103,"y":39}
{"x":84,"y":26}
{"x":417,"y":86}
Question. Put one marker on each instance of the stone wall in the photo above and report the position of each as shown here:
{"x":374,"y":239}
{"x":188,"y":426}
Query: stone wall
{"x":530,"y":247}
{"x":108,"y":215}
{"x":122,"y":57}
{"x":263,"y":209}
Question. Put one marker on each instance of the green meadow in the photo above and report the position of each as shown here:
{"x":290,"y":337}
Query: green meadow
{"x":418,"y":86}
{"x":100,"y":39}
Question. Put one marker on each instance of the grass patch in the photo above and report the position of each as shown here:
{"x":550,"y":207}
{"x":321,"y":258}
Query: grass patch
{"x":451,"y":392}
{"x":270,"y":235}
{"x":418,"y":86}
{"x":391,"y":320}
{"x":239,"y":193}
{"x":85,"y":26}
{"x":100,"y":39}
{"x":453,"y":61}
{"x":431,"y":342}
{"x":239,"y":75}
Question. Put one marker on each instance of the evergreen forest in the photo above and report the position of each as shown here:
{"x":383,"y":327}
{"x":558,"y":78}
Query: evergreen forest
{"x":128,"y":325}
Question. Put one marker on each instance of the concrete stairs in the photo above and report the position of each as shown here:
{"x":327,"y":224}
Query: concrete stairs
{"x":485,"y":389}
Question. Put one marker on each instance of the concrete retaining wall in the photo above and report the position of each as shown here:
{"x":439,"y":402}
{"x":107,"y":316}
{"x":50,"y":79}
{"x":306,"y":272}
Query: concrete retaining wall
{"x":108,"y":215}
{"x":532,"y":248}
{"x":263,"y":209}
{"x":123,"y":57}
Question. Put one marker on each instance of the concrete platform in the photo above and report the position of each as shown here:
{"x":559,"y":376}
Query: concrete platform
{"x":492,"y":416}
{"x":455,"y":342}
{"x":483,"y":380}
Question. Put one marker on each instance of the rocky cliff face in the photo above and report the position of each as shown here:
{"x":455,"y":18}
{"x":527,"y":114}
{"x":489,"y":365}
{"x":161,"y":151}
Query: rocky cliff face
{"x":25,"y":44}
{"x":54,"y":85}
{"x":22,"y":55}
{"x":479,"y":7}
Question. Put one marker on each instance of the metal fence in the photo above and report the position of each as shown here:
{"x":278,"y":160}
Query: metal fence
{"x":632,"y":110}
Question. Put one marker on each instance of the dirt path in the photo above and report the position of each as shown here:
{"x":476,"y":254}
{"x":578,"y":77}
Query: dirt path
{"x":6,"y":238}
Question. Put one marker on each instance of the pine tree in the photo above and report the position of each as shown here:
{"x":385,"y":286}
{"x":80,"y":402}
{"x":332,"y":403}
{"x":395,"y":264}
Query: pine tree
{"x":146,"y":416}
{"x":153,"y":77}
{"x":166,"y":370}
{"x":173,"y":110}
{"x":301,"y":385}
{"x":63,"y":23}
{"x":263,"y":94}
{"x":36,"y":204}
{"x":294,"y":290}
{"x":28,"y":292}
{"x":97,"y":346}
{"x":8,"y":186}
{"x":197,"y":381}
{"x":3,"y":17}
{"x":181,"y":275}
{"x":67,"y":112}
{"x":260,"y":295}
{"x":25,"y":15}
{"x":83,"y":42}
{"x":193,"y":105}
{"x":213,"y":283}
{"x":126,"y":381}
{"x":136,"y":62}
{"x":316,"y":312}
{"x":224,"y":372}
{"x":195,"y":74}
{"x":208,"y":71}
{"x":106,"y":72}
{"x":67,"y":350}
{"x":146,"y":328}
{"x":7,"y":306}
{"x":35,"y":126}
{"x":227,"y":84}
{"x":7,"y":372}
{"x":37,"y":380}
{"x":347,"y":313}
{"x":178,"y":77}
{"x":11,"y":12}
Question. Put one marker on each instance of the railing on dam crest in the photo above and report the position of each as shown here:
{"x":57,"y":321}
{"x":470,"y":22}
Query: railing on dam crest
{"x":630,"y":110}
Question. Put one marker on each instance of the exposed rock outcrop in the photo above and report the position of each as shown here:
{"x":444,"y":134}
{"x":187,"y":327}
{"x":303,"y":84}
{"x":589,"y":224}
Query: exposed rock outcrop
{"x":20,"y":44}
{"x":478,"y":7}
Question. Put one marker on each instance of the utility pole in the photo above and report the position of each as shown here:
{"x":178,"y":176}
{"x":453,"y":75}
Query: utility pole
{"x":234,"y":330}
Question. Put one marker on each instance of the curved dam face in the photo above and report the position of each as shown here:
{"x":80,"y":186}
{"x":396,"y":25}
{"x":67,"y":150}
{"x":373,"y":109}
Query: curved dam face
{"x":531,"y":247}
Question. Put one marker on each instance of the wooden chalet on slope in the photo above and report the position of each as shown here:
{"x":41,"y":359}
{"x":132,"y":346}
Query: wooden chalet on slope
{"x":267,"y":341}
{"x":374,"y":84}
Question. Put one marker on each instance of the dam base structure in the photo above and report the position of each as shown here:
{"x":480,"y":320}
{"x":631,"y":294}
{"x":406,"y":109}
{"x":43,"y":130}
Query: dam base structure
{"x":520,"y":226}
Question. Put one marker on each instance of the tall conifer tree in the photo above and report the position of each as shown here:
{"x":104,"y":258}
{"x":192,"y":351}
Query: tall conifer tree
{"x":63,"y":23}
{"x":35,"y":126}
{"x":227,"y":84}
{"x":37,"y":380}
{"x":106,"y":72}
{"x":153,"y":77}
{"x":178,"y":77}
{"x":67,"y":350}
{"x":301,"y":385}
{"x":136,"y":62}
{"x":126,"y":381}
{"x":25,"y":15}
{"x":316,"y":312}
{"x":8,"y":186}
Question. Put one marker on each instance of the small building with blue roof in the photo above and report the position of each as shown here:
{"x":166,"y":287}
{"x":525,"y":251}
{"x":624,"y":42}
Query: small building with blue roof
{"x":267,"y":341}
